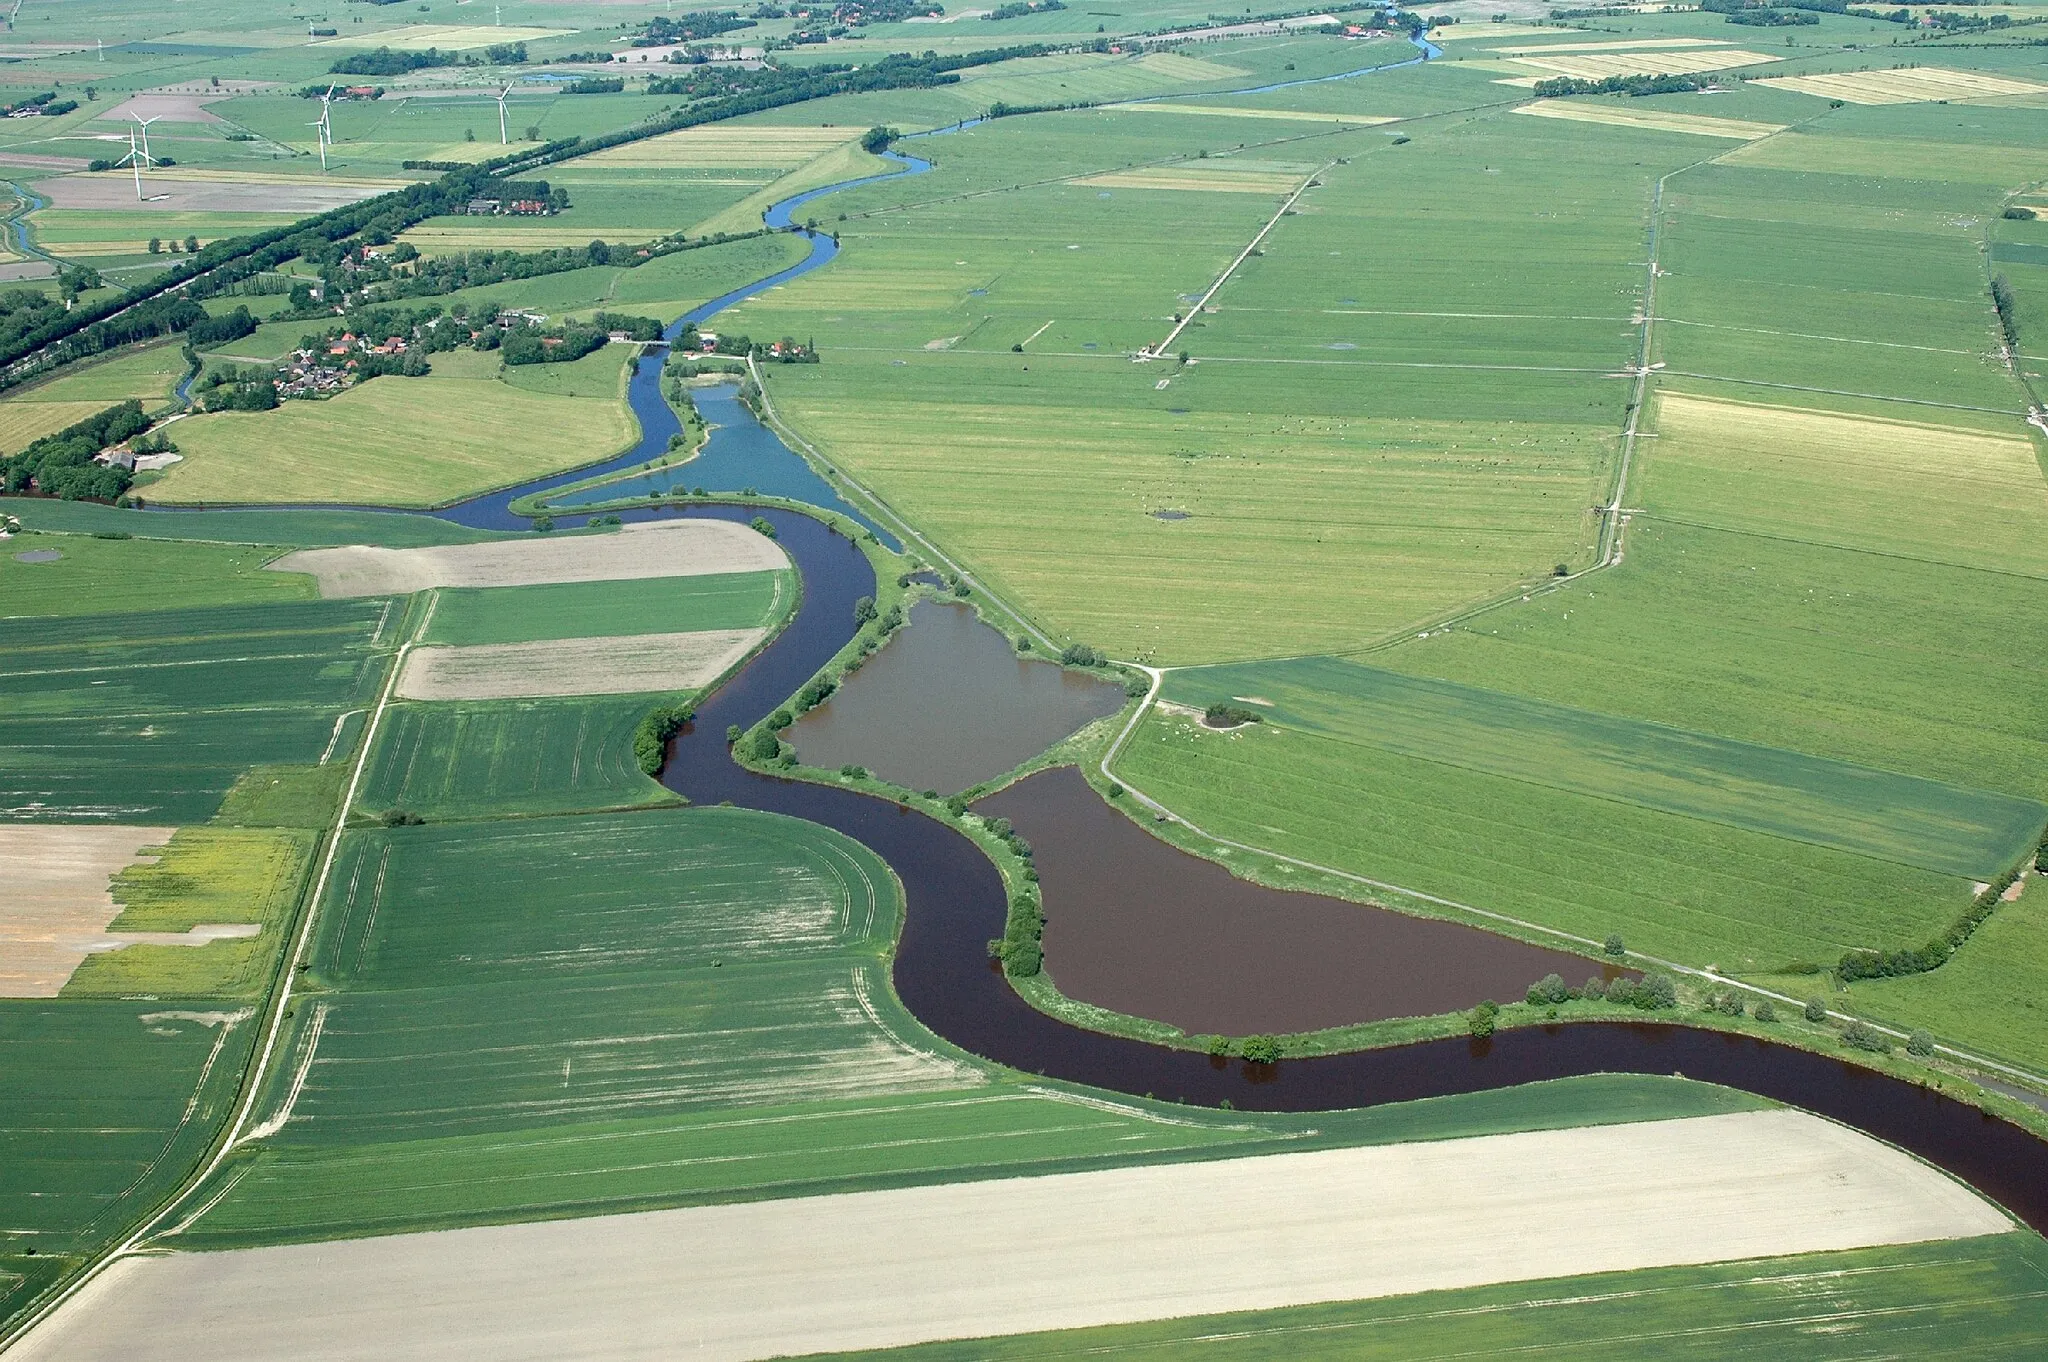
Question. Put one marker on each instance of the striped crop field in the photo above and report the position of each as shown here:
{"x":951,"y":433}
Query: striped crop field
{"x":149,"y":718}
{"x":1943,"y":828}
{"x":466,"y":616}
{"x":495,"y":758}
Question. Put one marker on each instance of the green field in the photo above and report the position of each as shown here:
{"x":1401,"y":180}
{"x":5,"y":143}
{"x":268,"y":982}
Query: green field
{"x":465,"y":759}
{"x":108,"y":1105}
{"x":1942,"y":828}
{"x":309,"y":529}
{"x":149,"y":718}
{"x":656,"y":605}
{"x":1978,"y":1298}
{"x":107,"y":576}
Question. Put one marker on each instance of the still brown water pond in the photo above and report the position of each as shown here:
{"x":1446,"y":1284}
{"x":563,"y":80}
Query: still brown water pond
{"x":1139,"y":926}
{"x":947,"y":704}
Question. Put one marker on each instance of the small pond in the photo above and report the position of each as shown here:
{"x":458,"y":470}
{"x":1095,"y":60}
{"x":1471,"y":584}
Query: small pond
{"x":38,"y":556}
{"x":947,"y":704}
{"x":1138,"y":926}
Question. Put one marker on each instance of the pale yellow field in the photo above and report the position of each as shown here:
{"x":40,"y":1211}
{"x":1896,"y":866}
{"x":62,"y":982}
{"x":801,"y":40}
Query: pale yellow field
{"x":1929,"y":491}
{"x":716,"y":148}
{"x":1176,"y":67}
{"x":1598,"y":66}
{"x":1920,"y":85}
{"x":631,"y":665}
{"x":1621,"y":45}
{"x":22,"y":422}
{"x":1252,"y":178}
{"x":1651,"y":120}
{"x":845,"y":161}
{"x":1457,"y":31}
{"x":520,"y":237}
{"x":461,"y":37}
{"x":1287,"y":115}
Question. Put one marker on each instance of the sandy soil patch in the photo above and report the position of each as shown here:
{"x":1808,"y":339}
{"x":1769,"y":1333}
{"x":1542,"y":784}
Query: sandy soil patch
{"x":177,"y":108}
{"x":713,"y":147}
{"x":1287,"y":115}
{"x":176,"y":193}
{"x":883,"y":1269}
{"x":575,"y":666}
{"x":55,"y":904}
{"x":674,"y":548}
{"x":1920,"y":85}
{"x":1598,"y":66}
{"x":1651,"y":120}
{"x":1189,"y":180}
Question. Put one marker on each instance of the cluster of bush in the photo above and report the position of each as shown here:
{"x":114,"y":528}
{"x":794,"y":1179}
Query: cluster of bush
{"x":1021,"y":946}
{"x":1222,"y":715}
{"x":61,"y":465}
{"x":2008,"y":313}
{"x":233,"y":388}
{"x":651,"y":736}
{"x":1635,"y":86}
{"x":666,"y":31}
{"x":1931,"y":955}
{"x":44,"y":103}
{"x":1021,"y":8}
{"x":1651,"y":993}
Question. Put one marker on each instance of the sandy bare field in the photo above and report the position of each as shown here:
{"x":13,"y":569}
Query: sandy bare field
{"x":671,"y":548}
{"x":1652,"y":120}
{"x":575,"y":666}
{"x":879,"y":1269}
{"x":115,"y":189}
{"x":1920,"y":85}
{"x":54,"y":904}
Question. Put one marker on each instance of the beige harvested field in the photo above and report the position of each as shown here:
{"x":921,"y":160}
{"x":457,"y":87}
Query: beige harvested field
{"x":1617,"y":45}
{"x":1176,"y":67}
{"x":1920,"y":85}
{"x":1453,"y":32}
{"x":1651,"y":120}
{"x":1286,"y":115}
{"x":461,"y":37}
{"x":55,"y":905}
{"x":629,"y":665}
{"x":672,"y":548}
{"x":115,"y":190}
{"x":1206,"y":180}
{"x":1598,"y":66}
{"x":714,"y":148}
{"x":880,"y":1269}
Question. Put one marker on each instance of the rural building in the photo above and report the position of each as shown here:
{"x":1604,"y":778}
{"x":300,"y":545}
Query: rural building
{"x":483,"y":208}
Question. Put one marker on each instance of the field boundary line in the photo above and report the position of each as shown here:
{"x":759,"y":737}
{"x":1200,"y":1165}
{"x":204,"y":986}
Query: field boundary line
{"x":1313,"y":178}
{"x":1158,"y":676}
{"x":253,"y":1084}
{"x":902,"y":527}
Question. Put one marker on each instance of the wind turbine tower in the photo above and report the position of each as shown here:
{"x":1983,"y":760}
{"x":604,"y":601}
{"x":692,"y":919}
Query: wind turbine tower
{"x":143,"y":124}
{"x":323,"y":127}
{"x":504,"y":135}
{"x":135,"y":157}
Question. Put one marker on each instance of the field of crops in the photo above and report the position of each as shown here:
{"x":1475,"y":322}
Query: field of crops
{"x":1979,"y":1296}
{"x":99,"y":576}
{"x":473,"y":759}
{"x":107,"y":1105}
{"x":652,"y":605}
{"x":150,"y":718}
{"x":1868,"y":812}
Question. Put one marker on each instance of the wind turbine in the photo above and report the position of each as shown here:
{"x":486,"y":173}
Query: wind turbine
{"x":323,"y":129}
{"x":135,"y":157}
{"x":143,"y":124}
{"x":504,"y":137}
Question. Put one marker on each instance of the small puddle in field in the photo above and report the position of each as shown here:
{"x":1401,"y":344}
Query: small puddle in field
{"x":1138,"y":926}
{"x":947,"y":704}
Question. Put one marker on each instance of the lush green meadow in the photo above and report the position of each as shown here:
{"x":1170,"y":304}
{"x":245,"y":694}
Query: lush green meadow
{"x":302,"y":529}
{"x":1943,"y":828}
{"x":1671,"y":886}
{"x":1978,"y":1298}
{"x":655,"y":605}
{"x":115,"y":576}
{"x":466,"y":759}
{"x":149,"y":718}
